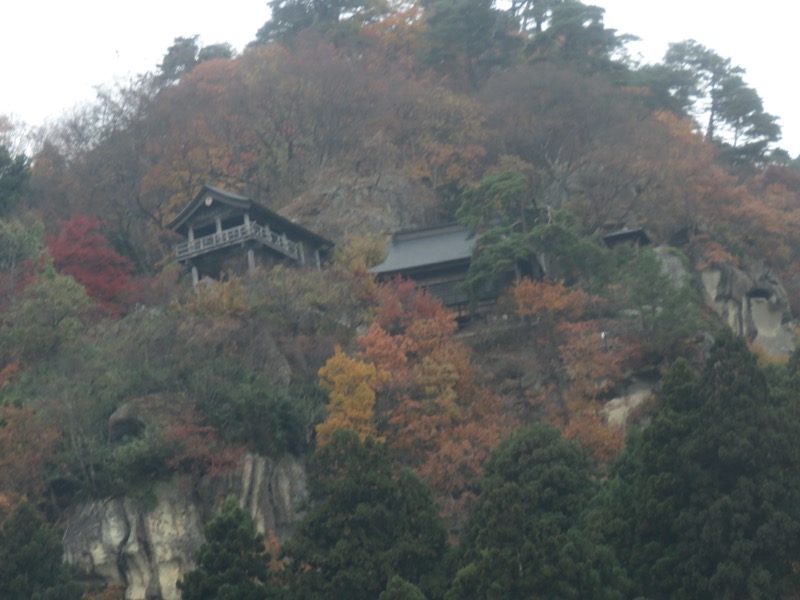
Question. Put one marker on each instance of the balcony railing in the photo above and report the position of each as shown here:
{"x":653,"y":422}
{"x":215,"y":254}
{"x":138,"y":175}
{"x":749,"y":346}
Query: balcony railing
{"x":236,"y":235}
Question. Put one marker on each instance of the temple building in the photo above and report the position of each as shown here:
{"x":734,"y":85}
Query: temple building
{"x":437,"y":259}
{"x":225,"y":231}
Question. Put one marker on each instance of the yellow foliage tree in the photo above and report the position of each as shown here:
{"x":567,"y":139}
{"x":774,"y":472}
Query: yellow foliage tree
{"x":351,"y":403}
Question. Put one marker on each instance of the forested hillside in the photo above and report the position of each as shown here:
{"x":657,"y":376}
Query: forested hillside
{"x":447,"y":459}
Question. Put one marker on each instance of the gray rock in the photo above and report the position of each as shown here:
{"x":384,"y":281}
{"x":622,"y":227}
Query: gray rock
{"x":753,"y":302}
{"x":148,"y":549}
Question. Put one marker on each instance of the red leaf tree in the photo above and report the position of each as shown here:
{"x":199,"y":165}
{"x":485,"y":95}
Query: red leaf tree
{"x":82,"y":251}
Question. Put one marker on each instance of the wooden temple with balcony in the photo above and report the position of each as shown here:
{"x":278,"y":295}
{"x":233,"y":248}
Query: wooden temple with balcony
{"x":226,"y":231}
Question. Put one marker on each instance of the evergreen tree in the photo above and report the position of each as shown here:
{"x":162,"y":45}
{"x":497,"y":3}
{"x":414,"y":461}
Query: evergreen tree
{"x":705,"y":502}
{"x":232,"y":564}
{"x":576,"y":35}
{"x":31,"y":567}
{"x":291,"y":17}
{"x":14,"y":175}
{"x":668,"y":313}
{"x":400,"y":589}
{"x":367,"y":527}
{"x":466,"y":38}
{"x":715,"y":89}
{"x":524,"y":539}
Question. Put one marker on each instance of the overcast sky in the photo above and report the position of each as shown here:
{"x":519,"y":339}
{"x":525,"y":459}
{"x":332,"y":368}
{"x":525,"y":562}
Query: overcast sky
{"x":762,"y":37}
{"x":55,"y":52}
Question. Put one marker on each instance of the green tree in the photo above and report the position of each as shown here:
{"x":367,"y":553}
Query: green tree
{"x":290,"y":17}
{"x":49,"y":313}
{"x":533,"y":15}
{"x":14,"y":175}
{"x":515,"y":238}
{"x":712,"y":87}
{"x":525,"y":538}
{"x":668,"y":312}
{"x":575,"y":34}
{"x":20,"y":240}
{"x":366,"y":527}
{"x":704,"y":503}
{"x":400,"y":589}
{"x":31,"y":567}
{"x":21,"y":243}
{"x":232,"y":564}
{"x":465,"y":38}
{"x":501,"y":197}
{"x":185,"y":54}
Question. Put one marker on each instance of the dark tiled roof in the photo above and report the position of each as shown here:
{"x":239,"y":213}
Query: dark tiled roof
{"x":265,"y":216}
{"x":637,"y":235}
{"x":413,"y":250}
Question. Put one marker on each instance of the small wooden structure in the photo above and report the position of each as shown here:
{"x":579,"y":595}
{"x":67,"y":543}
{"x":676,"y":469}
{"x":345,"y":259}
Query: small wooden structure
{"x":228,"y":231}
{"x":634,"y":237}
{"x":435,"y":258}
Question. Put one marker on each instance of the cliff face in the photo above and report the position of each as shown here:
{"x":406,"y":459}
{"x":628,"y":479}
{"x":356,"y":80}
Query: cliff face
{"x":342,"y":207}
{"x":750,"y":299}
{"x":148,"y":549}
{"x":753,"y":303}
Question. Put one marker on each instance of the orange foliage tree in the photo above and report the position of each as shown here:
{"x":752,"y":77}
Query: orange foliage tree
{"x":548,"y":299}
{"x":429,"y":406}
{"x":582,"y":360}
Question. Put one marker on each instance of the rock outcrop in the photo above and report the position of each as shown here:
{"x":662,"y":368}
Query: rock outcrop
{"x":753,"y":302}
{"x":341,"y":207}
{"x":148,"y":545}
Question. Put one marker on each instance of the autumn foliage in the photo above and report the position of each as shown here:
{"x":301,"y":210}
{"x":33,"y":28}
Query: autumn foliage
{"x":583,"y":360}
{"x":27,"y":447}
{"x":196,"y":447}
{"x":352,"y":399}
{"x":428,"y":403}
{"x":82,"y":251}
{"x":537,"y":299}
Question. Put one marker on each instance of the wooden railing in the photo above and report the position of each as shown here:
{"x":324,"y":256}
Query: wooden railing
{"x":235,"y":235}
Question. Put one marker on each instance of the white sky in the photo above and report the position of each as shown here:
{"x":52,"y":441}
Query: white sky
{"x":761,"y":37}
{"x":55,"y":52}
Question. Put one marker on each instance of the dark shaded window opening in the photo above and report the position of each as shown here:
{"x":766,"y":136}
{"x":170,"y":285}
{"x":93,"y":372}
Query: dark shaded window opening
{"x":205,"y":230}
{"x":232,"y":222}
{"x":759,"y":293}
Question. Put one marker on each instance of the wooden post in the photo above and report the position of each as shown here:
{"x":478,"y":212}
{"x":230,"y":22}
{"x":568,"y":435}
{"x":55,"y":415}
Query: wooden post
{"x":247,"y":222}
{"x":191,"y":233}
{"x":218,"y":221}
{"x":316,"y":257}
{"x":251,"y":260}
{"x":301,"y":253}
{"x":195,"y":278}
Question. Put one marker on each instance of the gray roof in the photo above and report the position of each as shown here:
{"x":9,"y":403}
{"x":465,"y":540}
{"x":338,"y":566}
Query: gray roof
{"x":638,"y":235}
{"x":269,"y":217}
{"x":422,"y":248}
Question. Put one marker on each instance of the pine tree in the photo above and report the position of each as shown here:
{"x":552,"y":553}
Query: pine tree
{"x":232,"y":564}
{"x":31,"y":566}
{"x":705,"y":503}
{"x":366,"y":527}
{"x":525,"y":537}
